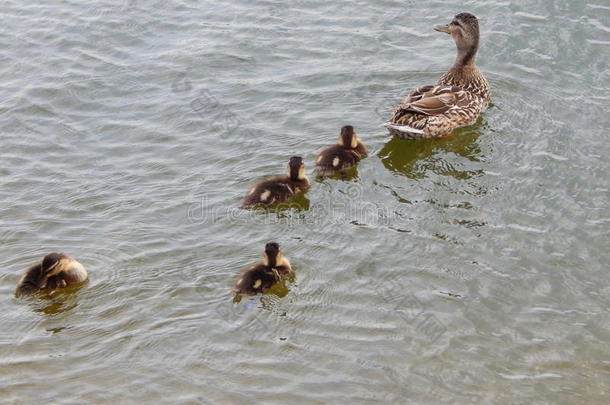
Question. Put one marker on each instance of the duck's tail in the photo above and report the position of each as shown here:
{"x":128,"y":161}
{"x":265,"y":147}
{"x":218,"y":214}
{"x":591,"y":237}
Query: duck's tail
{"x":402,"y":128}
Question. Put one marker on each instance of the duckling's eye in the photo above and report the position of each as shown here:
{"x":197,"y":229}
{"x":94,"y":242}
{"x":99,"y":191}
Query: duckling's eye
{"x":455,"y":23}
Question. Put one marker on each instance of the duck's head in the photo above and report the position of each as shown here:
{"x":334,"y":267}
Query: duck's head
{"x":52,"y":264}
{"x":348,"y":138}
{"x":273,"y":256}
{"x":464,"y":28}
{"x":296,"y":168}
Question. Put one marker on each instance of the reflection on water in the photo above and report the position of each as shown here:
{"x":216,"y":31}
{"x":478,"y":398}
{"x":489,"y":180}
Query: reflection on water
{"x":53,"y":302}
{"x":297,"y":203}
{"x":57,"y":307}
{"x":414,"y":158}
{"x":446,"y":177}
{"x":280,"y":290}
{"x":344,"y":175}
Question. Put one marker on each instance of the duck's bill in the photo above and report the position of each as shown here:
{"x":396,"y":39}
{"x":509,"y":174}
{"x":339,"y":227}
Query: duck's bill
{"x":42,"y":281}
{"x":442,"y":28}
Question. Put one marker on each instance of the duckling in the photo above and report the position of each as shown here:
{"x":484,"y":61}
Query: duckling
{"x":260,"y":277}
{"x":278,"y":189}
{"x":345,"y":154}
{"x":459,"y":97}
{"x":56,"y":270}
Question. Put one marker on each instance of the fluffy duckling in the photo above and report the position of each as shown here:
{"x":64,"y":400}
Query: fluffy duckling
{"x":56,"y":270}
{"x":345,"y":154}
{"x":260,"y":277}
{"x":278,"y":189}
{"x":459,"y":97}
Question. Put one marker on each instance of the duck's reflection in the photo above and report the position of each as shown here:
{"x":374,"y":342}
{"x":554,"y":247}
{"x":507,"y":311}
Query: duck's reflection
{"x":298,"y":203}
{"x":56,"y":301}
{"x":451,"y":175}
{"x":344,"y":175}
{"x":414,"y":158}
{"x":280,"y":290}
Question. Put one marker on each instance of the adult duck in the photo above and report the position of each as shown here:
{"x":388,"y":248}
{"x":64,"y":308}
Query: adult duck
{"x":459,"y":97}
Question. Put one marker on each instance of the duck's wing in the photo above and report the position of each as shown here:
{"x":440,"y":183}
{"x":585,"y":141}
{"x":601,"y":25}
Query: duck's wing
{"x":433,"y":100}
{"x":255,"y":279}
{"x":335,"y":158}
{"x":417,"y":94}
{"x":29,"y":282}
{"x":271,"y":191}
{"x":433,"y":111}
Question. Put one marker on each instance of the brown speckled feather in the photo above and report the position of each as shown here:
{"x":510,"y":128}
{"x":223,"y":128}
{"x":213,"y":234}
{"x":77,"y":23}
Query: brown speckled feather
{"x":259,"y":278}
{"x":28,"y":284}
{"x":337,"y":158}
{"x":437,"y":112}
{"x":256,"y":279}
{"x":274,"y":190}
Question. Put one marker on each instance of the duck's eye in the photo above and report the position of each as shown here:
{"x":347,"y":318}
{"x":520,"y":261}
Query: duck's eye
{"x":455,"y":23}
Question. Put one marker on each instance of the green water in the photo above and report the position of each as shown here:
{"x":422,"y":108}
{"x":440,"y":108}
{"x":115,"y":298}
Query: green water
{"x":465,"y":270}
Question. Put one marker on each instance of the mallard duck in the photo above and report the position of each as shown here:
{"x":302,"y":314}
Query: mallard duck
{"x":345,"y":154}
{"x":260,"y":277}
{"x":56,"y":270}
{"x":278,"y":189}
{"x":460,"y":96}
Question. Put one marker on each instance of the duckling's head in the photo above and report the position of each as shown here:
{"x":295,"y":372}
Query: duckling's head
{"x":464,"y":28}
{"x":52,"y":264}
{"x":272,"y":256}
{"x":296,"y":168}
{"x":348,"y":138}
{"x":272,"y":250}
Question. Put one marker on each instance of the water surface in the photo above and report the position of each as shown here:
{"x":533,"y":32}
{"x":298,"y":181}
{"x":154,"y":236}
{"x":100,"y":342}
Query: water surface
{"x":471,"y":269}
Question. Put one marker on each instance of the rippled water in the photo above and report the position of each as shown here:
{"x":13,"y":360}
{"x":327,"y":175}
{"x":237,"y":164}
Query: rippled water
{"x":471,"y":269}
